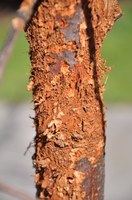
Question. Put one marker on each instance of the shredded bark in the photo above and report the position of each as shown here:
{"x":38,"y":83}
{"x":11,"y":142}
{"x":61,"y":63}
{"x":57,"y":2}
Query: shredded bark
{"x":65,"y":43}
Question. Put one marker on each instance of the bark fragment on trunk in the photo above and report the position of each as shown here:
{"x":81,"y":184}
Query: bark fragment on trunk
{"x":65,"y":42}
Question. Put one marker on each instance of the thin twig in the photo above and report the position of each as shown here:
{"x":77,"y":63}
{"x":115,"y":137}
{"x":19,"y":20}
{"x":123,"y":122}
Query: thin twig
{"x":15,"y":193}
{"x":31,"y":144}
{"x":7,"y":49}
{"x":23,"y":15}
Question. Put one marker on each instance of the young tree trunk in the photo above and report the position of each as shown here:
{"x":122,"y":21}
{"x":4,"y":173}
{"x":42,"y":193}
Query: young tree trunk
{"x":65,"y":39}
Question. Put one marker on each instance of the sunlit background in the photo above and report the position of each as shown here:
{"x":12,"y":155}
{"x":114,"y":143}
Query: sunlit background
{"x":16,"y":130}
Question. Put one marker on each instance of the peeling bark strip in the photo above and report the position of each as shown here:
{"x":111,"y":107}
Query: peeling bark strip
{"x":65,"y":39}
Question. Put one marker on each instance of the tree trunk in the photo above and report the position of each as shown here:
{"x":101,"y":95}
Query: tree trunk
{"x":65,"y":39}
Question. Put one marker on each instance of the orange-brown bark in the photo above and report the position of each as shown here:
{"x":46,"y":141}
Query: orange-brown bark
{"x":65,"y":42}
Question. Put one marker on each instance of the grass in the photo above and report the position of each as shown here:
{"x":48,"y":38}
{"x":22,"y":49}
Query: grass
{"x":117,"y":49}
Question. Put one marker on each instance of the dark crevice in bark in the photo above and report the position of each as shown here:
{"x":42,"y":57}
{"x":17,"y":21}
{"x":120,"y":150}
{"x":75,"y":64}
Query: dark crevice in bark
{"x":92,"y":52}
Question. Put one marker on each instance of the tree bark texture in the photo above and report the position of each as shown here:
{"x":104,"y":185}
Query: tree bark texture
{"x":65,"y":39}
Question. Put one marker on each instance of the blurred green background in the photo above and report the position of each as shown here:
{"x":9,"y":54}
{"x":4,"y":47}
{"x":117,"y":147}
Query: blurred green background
{"x":117,"y":50}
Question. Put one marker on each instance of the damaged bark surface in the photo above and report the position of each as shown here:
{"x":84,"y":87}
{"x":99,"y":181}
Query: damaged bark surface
{"x":65,"y":39}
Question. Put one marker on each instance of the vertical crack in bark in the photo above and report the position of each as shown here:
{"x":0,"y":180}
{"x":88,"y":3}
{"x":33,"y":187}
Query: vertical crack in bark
{"x":92,"y":52}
